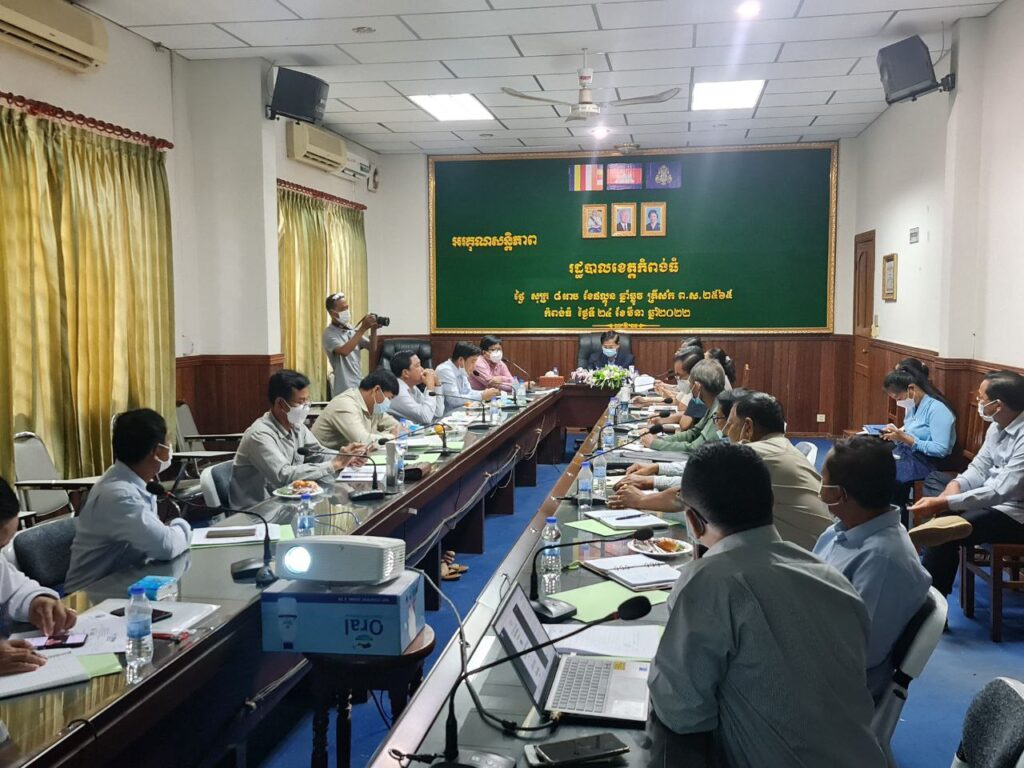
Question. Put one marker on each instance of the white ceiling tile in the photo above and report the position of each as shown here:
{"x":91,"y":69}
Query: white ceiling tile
{"x":318,"y":31}
{"x":807,"y":84}
{"x":181,"y":36}
{"x":361,"y":90}
{"x":463,"y":85}
{"x":455,"y":143}
{"x":568,"y":143}
{"x":392,"y":147}
{"x":616,"y":133}
{"x":659,"y":118}
{"x":426,"y":50}
{"x":855,"y":119}
{"x":927,"y":19}
{"x":360,"y":73}
{"x":769,"y":122}
{"x":326,"y":9}
{"x":529,"y":133}
{"x":872,"y":108}
{"x":850,"y":48}
{"x":715,"y":138}
{"x":525,"y":65}
{"x":382,"y":116}
{"x":606,"y":40}
{"x":639,"y":131}
{"x":633,"y":91}
{"x":398,"y":137}
{"x":676,"y":77}
{"x":789,"y":30}
{"x":767,"y":140}
{"x":559,"y":122}
{"x":132,"y":13}
{"x":379,"y":102}
{"x":666,"y":139}
{"x":333,"y":105}
{"x":831,"y":131}
{"x":672,"y":105}
{"x":518,"y":149}
{"x":851,"y":97}
{"x":789,"y":69}
{"x":538,"y":111}
{"x":723,"y":115}
{"x":664,"y":12}
{"x":831,"y":7}
{"x":284,"y":56}
{"x":695,"y":57}
{"x":482,"y":23}
{"x":357,"y":131}
{"x":765,"y":133}
{"x":450,"y":125}
{"x":794,"y":99}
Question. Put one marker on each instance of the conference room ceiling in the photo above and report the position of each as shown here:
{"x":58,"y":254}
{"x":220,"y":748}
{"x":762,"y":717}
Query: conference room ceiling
{"x":817,"y":56}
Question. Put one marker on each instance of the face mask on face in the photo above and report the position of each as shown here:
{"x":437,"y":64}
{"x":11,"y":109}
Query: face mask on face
{"x":609,"y":353}
{"x":905,"y":404}
{"x":494,"y":357}
{"x":683,"y":387}
{"x":380,"y":409}
{"x":297,"y":413}
{"x":165,"y":463}
{"x":981,"y":411}
{"x":832,"y":503}
{"x":721,"y":434}
{"x":345,"y":316}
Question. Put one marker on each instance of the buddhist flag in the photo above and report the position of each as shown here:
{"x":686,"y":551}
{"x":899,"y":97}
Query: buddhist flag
{"x":625,"y":175}
{"x":586,"y":178}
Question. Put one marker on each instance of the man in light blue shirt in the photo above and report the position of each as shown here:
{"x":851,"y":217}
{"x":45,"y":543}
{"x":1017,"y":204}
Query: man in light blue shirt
{"x":985,"y":503}
{"x":453,"y":377}
{"x":119,"y":526}
{"x":870,"y":546}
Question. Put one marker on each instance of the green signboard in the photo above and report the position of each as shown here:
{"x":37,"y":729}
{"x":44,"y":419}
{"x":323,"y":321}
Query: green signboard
{"x":725,"y":239}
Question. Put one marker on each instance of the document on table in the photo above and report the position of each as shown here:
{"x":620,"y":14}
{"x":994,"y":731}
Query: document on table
{"x":361,"y":474}
{"x":60,"y":669}
{"x":626,"y":519}
{"x":593,"y":526}
{"x":638,"y":572}
{"x":632,"y":642}
{"x":201,"y":536}
{"x":183,"y":616}
{"x":596,"y":601}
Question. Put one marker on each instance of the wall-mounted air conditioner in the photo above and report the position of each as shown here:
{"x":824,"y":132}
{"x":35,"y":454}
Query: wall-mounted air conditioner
{"x":316,"y":147}
{"x":56,"y":31}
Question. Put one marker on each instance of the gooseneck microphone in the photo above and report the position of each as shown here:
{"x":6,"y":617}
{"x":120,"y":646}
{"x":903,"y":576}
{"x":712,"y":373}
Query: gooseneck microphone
{"x":321,"y":451}
{"x":240,"y":568}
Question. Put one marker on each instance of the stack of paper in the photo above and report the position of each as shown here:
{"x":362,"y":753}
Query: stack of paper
{"x":598,"y":600}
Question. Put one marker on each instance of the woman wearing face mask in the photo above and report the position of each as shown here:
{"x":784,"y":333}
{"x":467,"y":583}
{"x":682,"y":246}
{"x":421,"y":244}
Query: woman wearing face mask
{"x":490,"y":370}
{"x":928,"y":432}
{"x":610,"y":353}
{"x":119,"y":526}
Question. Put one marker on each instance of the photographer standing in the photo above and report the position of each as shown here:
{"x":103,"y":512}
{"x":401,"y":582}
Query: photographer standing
{"x":342,"y":342}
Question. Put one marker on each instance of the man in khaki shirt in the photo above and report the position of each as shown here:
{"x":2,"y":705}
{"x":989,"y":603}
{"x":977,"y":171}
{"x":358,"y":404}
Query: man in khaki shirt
{"x":360,"y":414}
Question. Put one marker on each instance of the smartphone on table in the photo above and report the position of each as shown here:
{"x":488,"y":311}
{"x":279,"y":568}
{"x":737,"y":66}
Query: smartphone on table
{"x":57,"y":641}
{"x":582,"y":750}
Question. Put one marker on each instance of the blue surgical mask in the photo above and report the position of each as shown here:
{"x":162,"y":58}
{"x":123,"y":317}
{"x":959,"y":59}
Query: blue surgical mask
{"x":380,"y":409}
{"x":609,"y":352}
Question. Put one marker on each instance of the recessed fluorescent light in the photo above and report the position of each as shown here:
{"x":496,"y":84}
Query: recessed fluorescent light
{"x":453,"y":106}
{"x":748,"y":9}
{"x":600,"y":132}
{"x":734,"y":94}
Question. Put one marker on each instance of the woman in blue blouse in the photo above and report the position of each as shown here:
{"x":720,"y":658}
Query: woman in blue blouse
{"x":928,"y":432}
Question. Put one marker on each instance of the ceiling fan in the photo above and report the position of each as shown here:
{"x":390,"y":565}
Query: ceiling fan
{"x":585,"y":107}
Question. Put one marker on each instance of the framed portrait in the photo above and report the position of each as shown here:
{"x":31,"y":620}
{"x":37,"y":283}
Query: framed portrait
{"x":652,"y":220}
{"x":623,"y":223}
{"x":595,"y":221}
{"x":889,"y":277}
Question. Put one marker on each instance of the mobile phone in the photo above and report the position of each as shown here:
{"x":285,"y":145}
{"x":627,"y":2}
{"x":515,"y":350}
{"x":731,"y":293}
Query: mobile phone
{"x":158,"y":615}
{"x":58,"y":641}
{"x":582,"y":749}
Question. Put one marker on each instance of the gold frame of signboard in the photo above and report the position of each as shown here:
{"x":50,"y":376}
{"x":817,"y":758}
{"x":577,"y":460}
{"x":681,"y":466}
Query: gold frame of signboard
{"x":614,"y":217}
{"x":662,"y":209}
{"x":585,"y":215}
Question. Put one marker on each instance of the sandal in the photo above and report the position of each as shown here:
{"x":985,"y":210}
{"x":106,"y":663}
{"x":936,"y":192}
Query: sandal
{"x":457,"y":568}
{"x":447,"y":574}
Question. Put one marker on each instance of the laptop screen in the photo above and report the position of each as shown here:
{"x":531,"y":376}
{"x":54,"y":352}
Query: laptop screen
{"x":518,"y":628}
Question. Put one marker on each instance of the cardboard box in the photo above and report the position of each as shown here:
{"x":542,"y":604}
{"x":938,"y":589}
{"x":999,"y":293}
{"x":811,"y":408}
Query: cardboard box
{"x":310,"y":617}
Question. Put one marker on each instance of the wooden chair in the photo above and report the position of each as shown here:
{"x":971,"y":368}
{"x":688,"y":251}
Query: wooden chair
{"x":993,"y":563}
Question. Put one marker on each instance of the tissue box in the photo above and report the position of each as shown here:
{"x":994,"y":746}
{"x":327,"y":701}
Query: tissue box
{"x":550,"y":381}
{"x":311,"y":617}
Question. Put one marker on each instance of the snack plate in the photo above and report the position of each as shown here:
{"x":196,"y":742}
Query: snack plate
{"x":650,"y":549}
{"x":288,"y":493}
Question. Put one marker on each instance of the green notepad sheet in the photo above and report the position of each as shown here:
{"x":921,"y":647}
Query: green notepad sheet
{"x":100,"y":664}
{"x":598,"y":600}
{"x":594,"y":526}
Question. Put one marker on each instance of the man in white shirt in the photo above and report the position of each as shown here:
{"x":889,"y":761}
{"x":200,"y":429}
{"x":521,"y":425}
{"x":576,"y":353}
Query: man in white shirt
{"x":764,"y":648}
{"x":453,"y":376}
{"x":22,"y":599}
{"x":419,"y":407}
{"x":342,"y":342}
{"x":119,"y":526}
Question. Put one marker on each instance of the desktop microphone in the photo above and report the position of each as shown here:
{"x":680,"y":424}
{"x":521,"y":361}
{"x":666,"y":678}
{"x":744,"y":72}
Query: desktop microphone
{"x":373,"y":494}
{"x":518,"y":368}
{"x":240,"y":569}
{"x":629,"y":610}
{"x":442,"y":430}
{"x":659,"y":415}
{"x":553,"y":611}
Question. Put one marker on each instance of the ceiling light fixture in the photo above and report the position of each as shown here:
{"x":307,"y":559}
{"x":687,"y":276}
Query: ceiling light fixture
{"x":364,"y":30}
{"x":600,"y":132}
{"x":749,"y":9}
{"x":453,"y":106}
{"x":733,"y":94}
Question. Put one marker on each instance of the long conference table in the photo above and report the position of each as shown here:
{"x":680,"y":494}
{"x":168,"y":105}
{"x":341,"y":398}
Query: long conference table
{"x":204,"y":697}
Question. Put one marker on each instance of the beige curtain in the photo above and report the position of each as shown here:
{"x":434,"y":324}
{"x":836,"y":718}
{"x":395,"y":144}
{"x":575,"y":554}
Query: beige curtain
{"x":85,"y":288}
{"x":321,"y":250}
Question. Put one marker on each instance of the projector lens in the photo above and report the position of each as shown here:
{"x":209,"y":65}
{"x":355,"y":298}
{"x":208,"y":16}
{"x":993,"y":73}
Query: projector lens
{"x":297,"y":559}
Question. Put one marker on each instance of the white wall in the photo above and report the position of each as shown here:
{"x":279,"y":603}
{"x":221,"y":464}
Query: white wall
{"x":846,"y":229}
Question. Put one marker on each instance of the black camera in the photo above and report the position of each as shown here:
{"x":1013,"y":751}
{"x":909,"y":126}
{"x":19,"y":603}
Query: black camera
{"x":383,"y":321}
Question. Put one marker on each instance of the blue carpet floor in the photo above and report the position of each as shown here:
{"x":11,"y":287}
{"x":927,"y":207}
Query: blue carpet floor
{"x":930,"y":728}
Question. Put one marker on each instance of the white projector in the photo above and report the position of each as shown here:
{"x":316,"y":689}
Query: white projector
{"x":341,"y":559}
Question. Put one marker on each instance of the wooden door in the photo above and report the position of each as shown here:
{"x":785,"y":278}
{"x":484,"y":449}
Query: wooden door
{"x":863,"y":316}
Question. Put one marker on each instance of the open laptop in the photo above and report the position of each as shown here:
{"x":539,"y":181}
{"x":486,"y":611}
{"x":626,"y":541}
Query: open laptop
{"x":586,"y":686}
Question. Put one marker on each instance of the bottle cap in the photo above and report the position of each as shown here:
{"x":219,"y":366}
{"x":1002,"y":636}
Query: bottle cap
{"x":136,"y":589}
{"x":586,"y":465}
{"x":305,"y":497}
{"x":552,"y":520}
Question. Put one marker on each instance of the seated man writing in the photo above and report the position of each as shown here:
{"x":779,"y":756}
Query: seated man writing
{"x":453,"y":376}
{"x":410,"y":403}
{"x":870,"y":546}
{"x":707,"y":382}
{"x":268,"y":455}
{"x":361,"y":414}
{"x":985,"y":503}
{"x":118,"y":526}
{"x":764,"y":648}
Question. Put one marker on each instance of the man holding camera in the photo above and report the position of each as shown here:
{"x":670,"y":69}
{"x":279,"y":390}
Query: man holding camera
{"x":342,"y":342}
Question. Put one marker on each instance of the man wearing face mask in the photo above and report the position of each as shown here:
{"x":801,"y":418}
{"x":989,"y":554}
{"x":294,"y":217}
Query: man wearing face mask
{"x":870,"y":547}
{"x":707,"y":382}
{"x":268,"y":455}
{"x":764,"y":649}
{"x":985,"y":503}
{"x":490,"y":370}
{"x":690,"y":409}
{"x":343,"y":343}
{"x":453,"y":376}
{"x":610,"y":353}
{"x":118,"y":526}
{"x":360,"y":414}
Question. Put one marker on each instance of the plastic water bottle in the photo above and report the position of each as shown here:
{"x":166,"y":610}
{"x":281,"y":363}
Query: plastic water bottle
{"x":585,"y":488}
{"x":139,"y":617}
{"x":305,"y":521}
{"x":608,"y":436}
{"x":551,"y":558}
{"x":624,"y":403}
{"x":600,"y":469}
{"x":402,"y":443}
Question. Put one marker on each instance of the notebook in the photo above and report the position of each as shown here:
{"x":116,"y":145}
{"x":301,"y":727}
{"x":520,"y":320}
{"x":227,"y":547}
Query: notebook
{"x":638,"y":572}
{"x":626,"y":519}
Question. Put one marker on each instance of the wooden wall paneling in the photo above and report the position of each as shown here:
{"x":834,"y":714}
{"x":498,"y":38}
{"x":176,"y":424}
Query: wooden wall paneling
{"x":226,"y":392}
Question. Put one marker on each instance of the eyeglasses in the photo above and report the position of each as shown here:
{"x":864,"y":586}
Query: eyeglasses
{"x":719,"y":418}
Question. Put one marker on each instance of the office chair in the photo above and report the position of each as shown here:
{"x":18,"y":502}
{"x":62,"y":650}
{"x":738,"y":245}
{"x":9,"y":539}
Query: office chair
{"x":993,"y":734}
{"x":419,"y":347}
{"x":188,"y":437}
{"x":44,"y":551}
{"x":215,"y":481}
{"x":810,"y":450}
{"x":591,"y":343}
{"x":911,"y":652}
{"x":32,"y":462}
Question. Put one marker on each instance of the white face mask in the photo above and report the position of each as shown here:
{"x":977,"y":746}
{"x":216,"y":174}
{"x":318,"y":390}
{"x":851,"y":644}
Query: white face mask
{"x":297,"y":414}
{"x":345,"y":316}
{"x":833,"y":503}
{"x":981,"y":411}
{"x":906,"y":404}
{"x":495,"y":357}
{"x":683,"y":387}
{"x":165,"y":463}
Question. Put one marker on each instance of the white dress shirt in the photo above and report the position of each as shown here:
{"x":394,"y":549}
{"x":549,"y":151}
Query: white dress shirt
{"x":765,"y":647}
{"x":17,"y":591}
{"x":454,"y":384}
{"x":995,"y":479}
{"x":416,"y":406}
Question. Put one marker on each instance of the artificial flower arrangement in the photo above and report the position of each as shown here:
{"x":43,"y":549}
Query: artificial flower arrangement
{"x":610,"y":377}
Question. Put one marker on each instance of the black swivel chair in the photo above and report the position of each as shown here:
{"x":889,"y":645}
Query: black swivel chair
{"x":418,"y":347}
{"x":591,"y":343}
